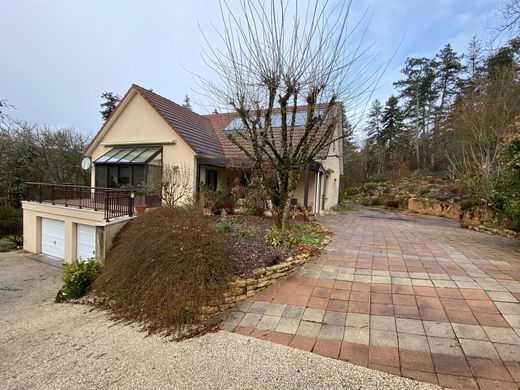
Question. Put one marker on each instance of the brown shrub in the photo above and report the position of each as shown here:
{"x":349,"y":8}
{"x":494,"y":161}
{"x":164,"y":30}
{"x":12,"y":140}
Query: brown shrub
{"x":163,"y":266}
{"x":393,"y":204}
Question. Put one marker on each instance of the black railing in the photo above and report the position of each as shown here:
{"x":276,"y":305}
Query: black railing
{"x":114,"y":202}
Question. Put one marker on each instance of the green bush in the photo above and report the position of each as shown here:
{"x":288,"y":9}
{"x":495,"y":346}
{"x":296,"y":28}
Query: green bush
{"x":310,"y":239}
{"x":245,"y":232}
{"x":279,"y":238}
{"x":351,"y":191}
{"x":226,"y":225}
{"x":11,"y":226}
{"x":78,"y":276}
{"x":467,"y":204}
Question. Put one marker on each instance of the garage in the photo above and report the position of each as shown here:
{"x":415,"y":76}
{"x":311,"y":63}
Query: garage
{"x":53,"y":238}
{"x":85,"y":241}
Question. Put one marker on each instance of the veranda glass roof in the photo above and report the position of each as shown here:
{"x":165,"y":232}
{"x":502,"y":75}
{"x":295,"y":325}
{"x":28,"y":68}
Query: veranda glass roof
{"x":129,"y":155}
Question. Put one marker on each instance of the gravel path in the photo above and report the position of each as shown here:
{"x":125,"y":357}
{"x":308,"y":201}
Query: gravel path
{"x":47,"y":345}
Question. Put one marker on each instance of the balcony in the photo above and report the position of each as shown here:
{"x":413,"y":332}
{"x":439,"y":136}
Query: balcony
{"x":113,"y":202}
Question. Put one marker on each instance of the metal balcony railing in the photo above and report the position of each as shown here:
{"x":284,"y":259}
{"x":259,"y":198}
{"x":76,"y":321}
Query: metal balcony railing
{"x":114,"y":202}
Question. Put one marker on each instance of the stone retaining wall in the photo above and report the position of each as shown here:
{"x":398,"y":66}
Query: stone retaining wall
{"x":475,"y":215}
{"x":242,"y":288}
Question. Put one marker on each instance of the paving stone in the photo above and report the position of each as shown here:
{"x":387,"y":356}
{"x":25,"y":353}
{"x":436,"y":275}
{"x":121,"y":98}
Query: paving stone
{"x":513,"y":320}
{"x":507,"y":352}
{"x":259,"y":307}
{"x":501,"y":335}
{"x":508,"y":308}
{"x":233,"y":318}
{"x":358,"y":320}
{"x":421,"y":282}
{"x":356,"y":335}
{"x":478,"y":348}
{"x":250,"y":320}
{"x":408,"y":325}
{"x":413,"y":342}
{"x":334,"y":318}
{"x":382,"y":323}
{"x":502,"y":296}
{"x":473,"y":332}
{"x":314,"y":315}
{"x":244,"y":305}
{"x":332,"y":332}
{"x":441,"y":345}
{"x":444,"y":283}
{"x":268,"y":322}
{"x":288,"y":325}
{"x":308,"y":329}
{"x":275,"y":309}
{"x":438,"y":329}
{"x":383,"y":338}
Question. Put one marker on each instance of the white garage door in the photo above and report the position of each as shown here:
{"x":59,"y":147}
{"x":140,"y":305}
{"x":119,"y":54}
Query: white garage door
{"x":53,"y":237}
{"x":86,"y":241}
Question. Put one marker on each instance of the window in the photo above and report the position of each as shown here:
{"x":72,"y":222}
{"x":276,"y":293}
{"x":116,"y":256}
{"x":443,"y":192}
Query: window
{"x":129,"y":166}
{"x":211,"y":179}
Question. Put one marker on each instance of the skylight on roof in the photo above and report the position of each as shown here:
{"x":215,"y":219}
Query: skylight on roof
{"x":276,"y":122}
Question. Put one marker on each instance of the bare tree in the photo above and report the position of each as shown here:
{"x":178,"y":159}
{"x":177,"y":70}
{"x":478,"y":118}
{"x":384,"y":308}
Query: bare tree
{"x":176,"y":183}
{"x":510,"y":12}
{"x":276,"y":56}
{"x":481,"y":124}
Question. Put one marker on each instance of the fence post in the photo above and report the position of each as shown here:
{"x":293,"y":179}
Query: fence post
{"x":40,"y":193}
{"x":131,"y":204}
{"x":107,"y":201}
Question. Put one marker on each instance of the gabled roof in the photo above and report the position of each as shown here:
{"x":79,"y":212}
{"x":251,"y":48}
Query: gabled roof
{"x":204,"y":134}
{"x":193,"y":128}
{"x":220,"y":122}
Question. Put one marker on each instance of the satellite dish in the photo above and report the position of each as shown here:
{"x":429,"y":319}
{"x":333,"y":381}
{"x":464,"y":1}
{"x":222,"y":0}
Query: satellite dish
{"x":86,"y":163}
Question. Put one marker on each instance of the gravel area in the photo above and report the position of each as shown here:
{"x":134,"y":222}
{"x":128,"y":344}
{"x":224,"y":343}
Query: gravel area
{"x":47,"y":345}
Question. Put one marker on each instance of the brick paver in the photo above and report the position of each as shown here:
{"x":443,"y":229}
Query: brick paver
{"x":410,"y":295}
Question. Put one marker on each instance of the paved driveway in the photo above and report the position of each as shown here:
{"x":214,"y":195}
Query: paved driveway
{"x":411,"y":295}
{"x":44,"y":345}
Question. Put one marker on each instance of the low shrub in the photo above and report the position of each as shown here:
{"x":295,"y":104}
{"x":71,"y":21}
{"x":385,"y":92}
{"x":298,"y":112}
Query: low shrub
{"x":245,"y":232}
{"x":393,"y":204}
{"x":163,"y":266}
{"x":11,"y":225}
{"x":252,"y":194}
{"x":279,"y":238}
{"x":310,"y":239}
{"x":226,"y":225}
{"x":351,"y":191}
{"x":467,"y":204}
{"x":78,"y":276}
{"x":376,"y":202}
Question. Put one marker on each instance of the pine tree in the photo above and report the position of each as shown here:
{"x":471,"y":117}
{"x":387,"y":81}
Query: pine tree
{"x":110,"y":101}
{"x":186,"y":102}
{"x":393,"y":131}
{"x":375,"y":143}
{"x":419,"y":94}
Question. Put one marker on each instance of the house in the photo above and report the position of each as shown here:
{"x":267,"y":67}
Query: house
{"x":144,"y":133}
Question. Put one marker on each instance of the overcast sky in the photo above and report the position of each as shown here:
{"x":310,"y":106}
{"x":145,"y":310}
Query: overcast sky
{"x":58,"y":56}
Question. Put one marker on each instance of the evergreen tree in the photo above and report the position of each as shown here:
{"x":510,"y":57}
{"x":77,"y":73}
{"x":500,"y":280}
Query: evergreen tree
{"x":375,"y":142}
{"x":394,"y":131}
{"x":186,"y":102}
{"x":419,"y":94}
{"x":110,"y":101}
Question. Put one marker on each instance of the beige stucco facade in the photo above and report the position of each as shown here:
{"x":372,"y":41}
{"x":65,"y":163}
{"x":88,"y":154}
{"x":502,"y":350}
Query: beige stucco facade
{"x":34,"y":212}
{"x":137,"y":123}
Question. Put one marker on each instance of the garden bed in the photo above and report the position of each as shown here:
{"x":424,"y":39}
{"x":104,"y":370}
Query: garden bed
{"x":173,"y":269}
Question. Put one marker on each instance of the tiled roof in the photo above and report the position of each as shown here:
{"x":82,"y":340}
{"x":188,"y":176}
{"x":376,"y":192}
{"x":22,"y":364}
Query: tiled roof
{"x":205,"y":134}
{"x":194,"y":129}
{"x":219,"y":123}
